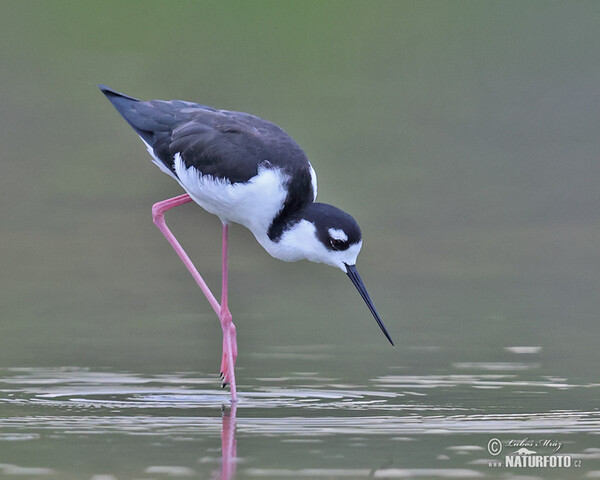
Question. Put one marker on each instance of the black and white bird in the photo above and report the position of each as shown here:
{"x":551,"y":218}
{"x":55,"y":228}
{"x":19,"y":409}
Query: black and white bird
{"x":248,"y":171}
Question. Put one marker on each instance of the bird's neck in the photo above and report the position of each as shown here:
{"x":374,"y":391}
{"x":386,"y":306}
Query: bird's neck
{"x":284,"y":237}
{"x":290,"y":246}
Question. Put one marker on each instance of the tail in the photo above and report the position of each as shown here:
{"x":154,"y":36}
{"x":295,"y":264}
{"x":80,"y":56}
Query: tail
{"x":126,"y":106}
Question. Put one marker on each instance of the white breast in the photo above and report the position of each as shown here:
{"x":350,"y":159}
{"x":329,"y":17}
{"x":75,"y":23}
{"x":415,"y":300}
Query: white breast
{"x":253,"y":204}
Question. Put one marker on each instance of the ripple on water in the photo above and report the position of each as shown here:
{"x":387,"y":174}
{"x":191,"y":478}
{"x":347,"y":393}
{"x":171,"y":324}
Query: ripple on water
{"x":84,"y":401}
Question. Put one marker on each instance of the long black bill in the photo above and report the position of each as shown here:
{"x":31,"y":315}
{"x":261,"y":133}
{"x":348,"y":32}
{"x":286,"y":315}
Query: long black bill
{"x":360,"y":286}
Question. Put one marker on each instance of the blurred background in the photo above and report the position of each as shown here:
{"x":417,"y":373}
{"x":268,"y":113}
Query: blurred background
{"x":463,"y":137}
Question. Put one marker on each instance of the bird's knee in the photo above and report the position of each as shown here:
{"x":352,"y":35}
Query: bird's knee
{"x":226,"y":318}
{"x":158,"y":214}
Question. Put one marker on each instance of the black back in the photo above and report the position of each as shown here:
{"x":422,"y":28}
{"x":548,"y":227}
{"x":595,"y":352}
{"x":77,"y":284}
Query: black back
{"x":221,"y":143}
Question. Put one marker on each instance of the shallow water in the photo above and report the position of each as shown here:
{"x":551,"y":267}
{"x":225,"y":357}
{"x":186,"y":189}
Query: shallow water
{"x":101,"y":424}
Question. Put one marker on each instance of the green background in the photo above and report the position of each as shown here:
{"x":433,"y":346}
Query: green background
{"x":462,"y":136}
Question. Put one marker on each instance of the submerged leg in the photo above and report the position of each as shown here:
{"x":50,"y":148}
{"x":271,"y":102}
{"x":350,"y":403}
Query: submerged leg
{"x":229,"y":336}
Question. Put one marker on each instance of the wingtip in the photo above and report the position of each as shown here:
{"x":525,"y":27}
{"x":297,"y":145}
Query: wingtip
{"x":110,"y":92}
{"x":103,"y":88}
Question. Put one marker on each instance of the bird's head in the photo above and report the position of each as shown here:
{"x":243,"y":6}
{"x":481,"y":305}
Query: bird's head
{"x":325,"y":234}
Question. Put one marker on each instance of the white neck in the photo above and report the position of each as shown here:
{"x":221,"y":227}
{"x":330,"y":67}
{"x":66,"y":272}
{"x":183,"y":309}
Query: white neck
{"x":300,"y":243}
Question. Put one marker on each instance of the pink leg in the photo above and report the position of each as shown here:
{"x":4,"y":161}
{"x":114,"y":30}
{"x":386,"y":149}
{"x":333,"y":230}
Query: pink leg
{"x":229,"y":338}
{"x":158,"y":215}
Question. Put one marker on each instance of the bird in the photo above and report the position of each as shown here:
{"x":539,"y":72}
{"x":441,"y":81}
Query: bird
{"x":248,"y":171}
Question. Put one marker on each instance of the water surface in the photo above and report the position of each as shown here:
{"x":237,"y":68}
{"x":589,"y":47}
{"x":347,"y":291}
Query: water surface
{"x":131,"y":425}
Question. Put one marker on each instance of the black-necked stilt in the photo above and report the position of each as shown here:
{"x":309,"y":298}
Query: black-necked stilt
{"x":248,"y":171}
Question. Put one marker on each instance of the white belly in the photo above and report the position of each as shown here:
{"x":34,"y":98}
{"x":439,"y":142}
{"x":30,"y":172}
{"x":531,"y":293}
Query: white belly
{"x":253,"y":204}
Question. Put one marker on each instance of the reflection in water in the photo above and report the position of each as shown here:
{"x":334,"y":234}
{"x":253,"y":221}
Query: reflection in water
{"x":390,"y":429}
{"x":228,"y":442}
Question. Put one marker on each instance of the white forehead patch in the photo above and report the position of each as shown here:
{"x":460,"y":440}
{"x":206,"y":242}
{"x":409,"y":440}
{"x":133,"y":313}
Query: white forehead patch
{"x":337,"y":234}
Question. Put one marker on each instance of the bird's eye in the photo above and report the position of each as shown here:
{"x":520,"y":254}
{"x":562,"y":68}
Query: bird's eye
{"x":337,"y":244}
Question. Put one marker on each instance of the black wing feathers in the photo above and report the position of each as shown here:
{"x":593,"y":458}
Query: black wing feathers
{"x":124,"y":105}
{"x":224,"y":144}
{"x":221,"y":143}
